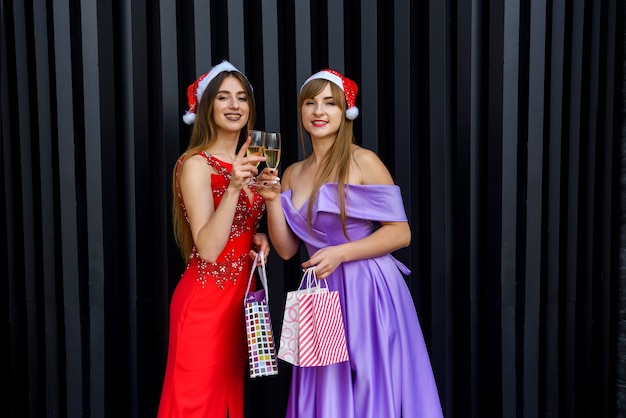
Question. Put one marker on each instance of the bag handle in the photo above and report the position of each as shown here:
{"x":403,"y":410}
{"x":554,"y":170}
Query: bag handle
{"x":312,"y":282}
{"x":309,"y":276}
{"x":262,"y":276}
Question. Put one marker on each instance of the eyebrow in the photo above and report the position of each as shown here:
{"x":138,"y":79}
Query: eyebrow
{"x":228,"y":92}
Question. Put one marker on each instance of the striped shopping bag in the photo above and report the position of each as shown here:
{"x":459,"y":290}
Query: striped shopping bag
{"x":321,"y":335}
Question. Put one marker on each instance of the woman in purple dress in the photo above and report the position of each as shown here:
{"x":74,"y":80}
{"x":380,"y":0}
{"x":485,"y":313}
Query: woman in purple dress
{"x":342,"y":203}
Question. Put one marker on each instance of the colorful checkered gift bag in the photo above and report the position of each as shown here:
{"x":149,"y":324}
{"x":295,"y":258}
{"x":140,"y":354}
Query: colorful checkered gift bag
{"x":261,"y":350}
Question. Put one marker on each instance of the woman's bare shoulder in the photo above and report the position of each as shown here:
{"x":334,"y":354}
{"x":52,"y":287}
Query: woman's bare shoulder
{"x":292,"y":171}
{"x":364,"y":155}
{"x":195,"y":166}
{"x":371,"y":168}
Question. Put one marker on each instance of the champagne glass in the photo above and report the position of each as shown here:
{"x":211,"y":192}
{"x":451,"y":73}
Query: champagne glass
{"x":256,"y":147}
{"x":272,"y":149}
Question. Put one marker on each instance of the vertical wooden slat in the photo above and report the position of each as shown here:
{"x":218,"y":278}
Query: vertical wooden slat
{"x":204,"y":54}
{"x":236,"y":43}
{"x":534,"y":221}
{"x":271,"y":69}
{"x":336,"y":38}
{"x":404,"y":131}
{"x":439,"y":192}
{"x":135,"y":169}
{"x":49,"y":214}
{"x":302,"y":53}
{"x":590,"y":143}
{"x":171,"y":114}
{"x":619,"y":290}
{"x":93,"y":190}
{"x":27,"y":175}
{"x":66,"y":125}
{"x":572,"y":375}
{"x":21,"y":390}
{"x":554,"y":326}
{"x":369,"y":75}
{"x":508,"y":195}
{"x":467,"y":325}
{"x":614,"y":18}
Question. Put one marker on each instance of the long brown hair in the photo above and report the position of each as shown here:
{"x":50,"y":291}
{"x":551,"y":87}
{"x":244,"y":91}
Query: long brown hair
{"x":335,"y":165}
{"x":203,"y":135}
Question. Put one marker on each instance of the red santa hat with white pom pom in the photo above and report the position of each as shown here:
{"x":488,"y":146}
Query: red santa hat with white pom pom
{"x":348,"y":86}
{"x":195,"y":90}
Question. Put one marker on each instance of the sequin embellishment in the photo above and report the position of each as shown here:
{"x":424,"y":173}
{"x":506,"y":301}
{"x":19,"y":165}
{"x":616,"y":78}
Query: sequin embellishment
{"x":246,"y":220}
{"x":222,"y":271}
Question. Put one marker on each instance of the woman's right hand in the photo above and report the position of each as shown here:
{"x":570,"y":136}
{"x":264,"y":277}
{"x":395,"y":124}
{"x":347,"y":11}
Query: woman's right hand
{"x":243,"y":170}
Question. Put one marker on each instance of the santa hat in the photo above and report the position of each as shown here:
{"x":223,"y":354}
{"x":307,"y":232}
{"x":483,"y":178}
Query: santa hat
{"x":195,"y":90}
{"x":348,"y":86}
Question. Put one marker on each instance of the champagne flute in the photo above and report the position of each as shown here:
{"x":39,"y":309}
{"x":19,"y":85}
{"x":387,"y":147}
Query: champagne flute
{"x":272,"y":149}
{"x":256,"y":147}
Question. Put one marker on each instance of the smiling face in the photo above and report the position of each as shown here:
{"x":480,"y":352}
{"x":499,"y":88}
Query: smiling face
{"x":322,"y":114}
{"x":231,"y":108}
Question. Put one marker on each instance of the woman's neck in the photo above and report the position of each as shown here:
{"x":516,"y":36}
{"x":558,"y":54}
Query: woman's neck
{"x":225,"y":149}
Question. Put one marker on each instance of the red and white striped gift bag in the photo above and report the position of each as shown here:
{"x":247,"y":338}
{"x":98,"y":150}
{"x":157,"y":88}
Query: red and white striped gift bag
{"x":321,"y":336}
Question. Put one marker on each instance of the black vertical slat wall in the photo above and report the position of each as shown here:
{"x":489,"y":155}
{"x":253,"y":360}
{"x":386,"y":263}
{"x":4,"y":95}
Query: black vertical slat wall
{"x":502,"y":122}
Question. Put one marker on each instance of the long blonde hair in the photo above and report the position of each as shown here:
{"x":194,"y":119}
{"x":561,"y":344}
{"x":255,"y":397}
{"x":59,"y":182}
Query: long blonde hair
{"x":335,"y":165}
{"x":203,"y":135}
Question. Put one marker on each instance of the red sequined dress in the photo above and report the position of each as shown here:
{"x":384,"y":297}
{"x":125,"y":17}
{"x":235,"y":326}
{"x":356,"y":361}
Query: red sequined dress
{"x":207,"y":350}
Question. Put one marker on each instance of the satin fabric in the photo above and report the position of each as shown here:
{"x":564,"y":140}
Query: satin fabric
{"x":389,"y":373}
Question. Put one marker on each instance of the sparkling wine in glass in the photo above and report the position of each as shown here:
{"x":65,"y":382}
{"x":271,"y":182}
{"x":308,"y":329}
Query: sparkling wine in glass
{"x":272,"y":149}
{"x":256,"y":147}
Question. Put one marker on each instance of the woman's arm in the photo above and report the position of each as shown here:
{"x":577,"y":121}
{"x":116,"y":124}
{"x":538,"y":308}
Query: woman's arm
{"x":210,"y":228}
{"x":284,"y":241}
{"x":391,"y":236}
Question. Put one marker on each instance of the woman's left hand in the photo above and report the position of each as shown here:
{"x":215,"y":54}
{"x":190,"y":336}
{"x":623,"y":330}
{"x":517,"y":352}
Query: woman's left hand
{"x":268,"y":184}
{"x":325,"y":261}
{"x":261,"y":244}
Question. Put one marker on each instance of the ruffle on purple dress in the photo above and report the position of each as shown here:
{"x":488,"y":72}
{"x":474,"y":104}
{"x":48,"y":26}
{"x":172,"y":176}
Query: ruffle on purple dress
{"x":389,"y":373}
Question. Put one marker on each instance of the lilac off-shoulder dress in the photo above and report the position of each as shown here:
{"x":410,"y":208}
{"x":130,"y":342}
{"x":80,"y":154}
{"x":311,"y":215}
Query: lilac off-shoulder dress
{"x":389,"y":373}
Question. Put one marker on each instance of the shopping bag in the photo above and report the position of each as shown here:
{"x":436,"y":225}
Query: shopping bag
{"x":316,"y":335}
{"x":261,"y":350}
{"x":321,"y":336}
{"x":288,"y":347}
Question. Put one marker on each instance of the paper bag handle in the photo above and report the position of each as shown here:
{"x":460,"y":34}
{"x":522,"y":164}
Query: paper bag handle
{"x":262,"y":276}
{"x":312,"y":282}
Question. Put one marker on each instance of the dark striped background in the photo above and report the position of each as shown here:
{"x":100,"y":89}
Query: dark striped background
{"x":502,"y":122}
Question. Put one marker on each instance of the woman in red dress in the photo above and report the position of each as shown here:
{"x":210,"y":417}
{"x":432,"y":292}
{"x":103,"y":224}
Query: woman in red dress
{"x":215,"y":217}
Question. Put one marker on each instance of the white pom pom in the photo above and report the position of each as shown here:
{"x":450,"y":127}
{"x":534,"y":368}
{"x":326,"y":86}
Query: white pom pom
{"x":352,"y":113}
{"x":189,"y":118}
